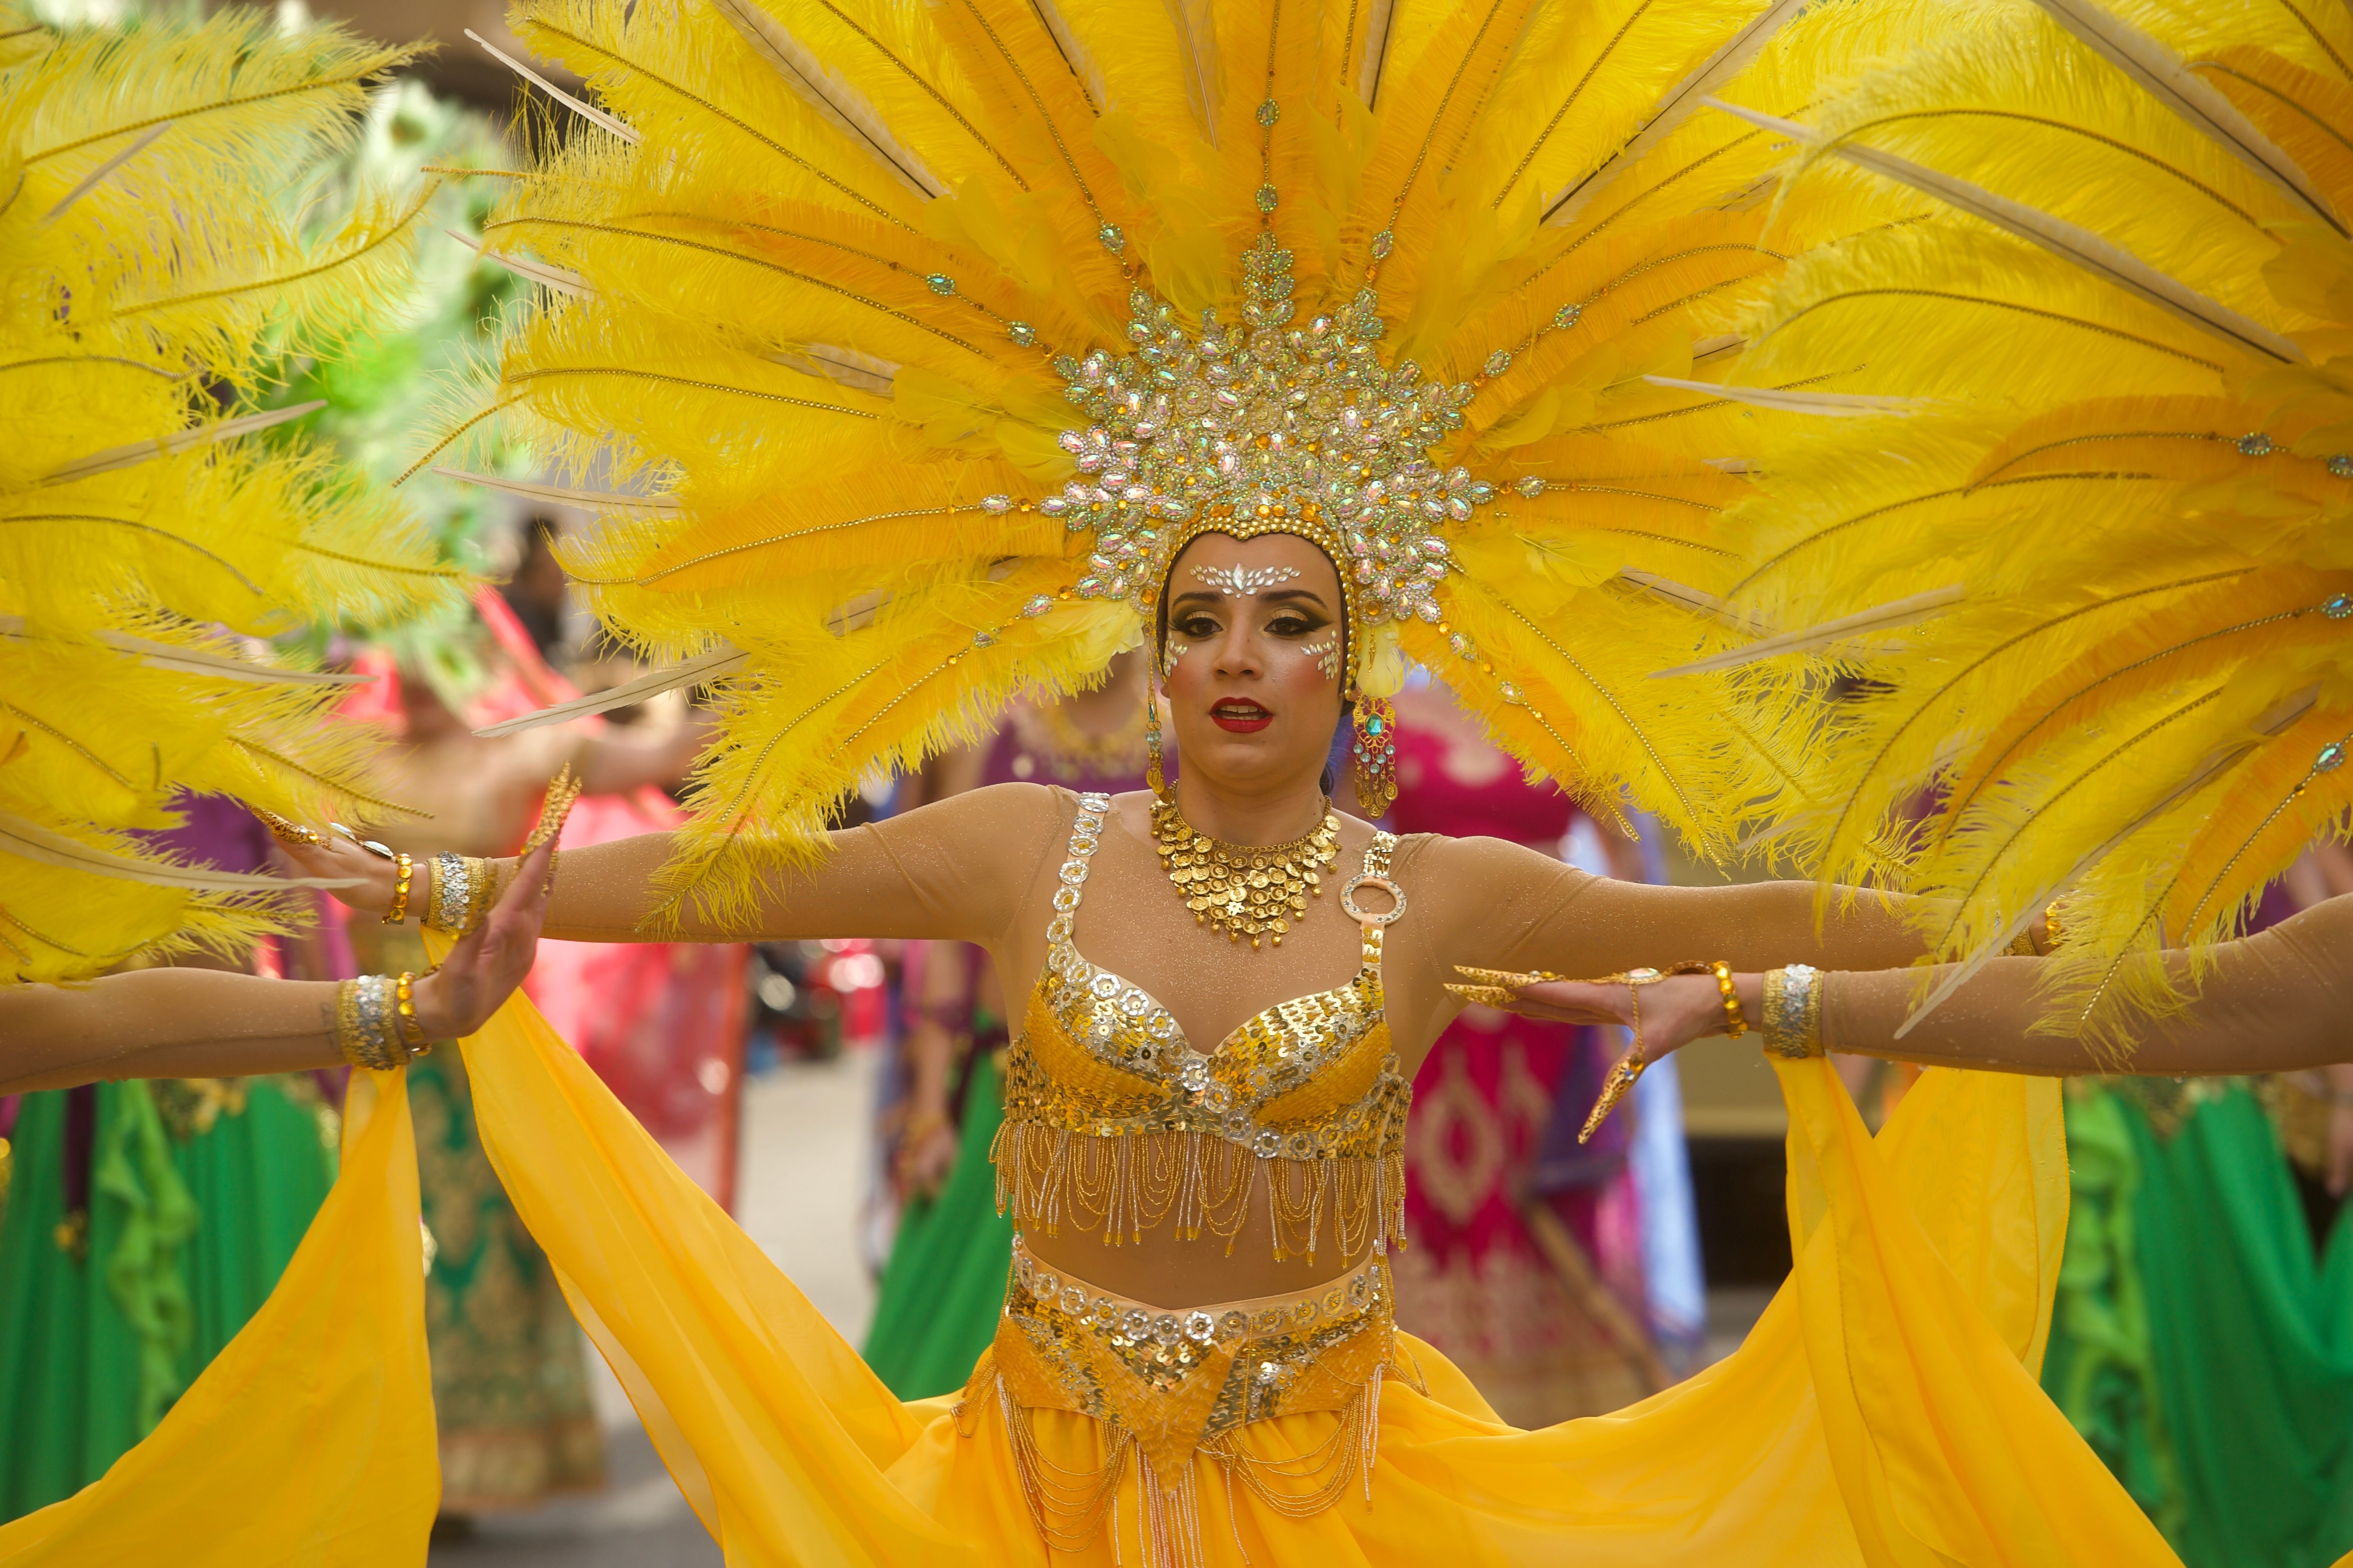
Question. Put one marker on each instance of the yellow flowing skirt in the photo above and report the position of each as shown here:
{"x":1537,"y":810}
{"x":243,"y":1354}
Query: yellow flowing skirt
{"x":1883,"y":1411}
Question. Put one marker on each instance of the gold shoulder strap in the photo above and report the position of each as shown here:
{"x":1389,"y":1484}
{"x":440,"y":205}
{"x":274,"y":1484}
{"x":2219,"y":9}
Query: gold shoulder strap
{"x":1086,"y":837}
{"x":1376,"y":875}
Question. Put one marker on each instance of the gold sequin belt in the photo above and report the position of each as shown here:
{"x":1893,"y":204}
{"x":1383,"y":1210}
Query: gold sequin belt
{"x":1173,"y":1382}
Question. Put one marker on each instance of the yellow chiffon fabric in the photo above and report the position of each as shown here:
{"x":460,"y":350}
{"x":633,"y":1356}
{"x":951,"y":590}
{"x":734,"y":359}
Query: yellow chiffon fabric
{"x":1883,"y":1411}
{"x":309,"y":1437}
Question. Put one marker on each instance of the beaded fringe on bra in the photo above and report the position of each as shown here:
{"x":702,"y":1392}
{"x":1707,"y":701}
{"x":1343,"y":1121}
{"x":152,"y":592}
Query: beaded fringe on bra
{"x":1050,"y":1177}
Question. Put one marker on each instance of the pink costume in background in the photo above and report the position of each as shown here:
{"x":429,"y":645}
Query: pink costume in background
{"x":1536,"y":1295}
{"x":661,"y":1023}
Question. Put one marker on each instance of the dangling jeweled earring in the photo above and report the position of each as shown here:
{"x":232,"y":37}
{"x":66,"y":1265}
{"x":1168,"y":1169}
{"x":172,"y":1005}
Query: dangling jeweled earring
{"x":1374,"y":745}
{"x":1152,"y":772}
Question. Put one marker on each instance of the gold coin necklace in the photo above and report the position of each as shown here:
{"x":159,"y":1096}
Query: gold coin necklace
{"x":1253,"y":890}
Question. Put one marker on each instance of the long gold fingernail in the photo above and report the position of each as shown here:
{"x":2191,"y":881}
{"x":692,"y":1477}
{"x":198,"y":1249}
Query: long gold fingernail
{"x":562,"y":790}
{"x":1485,"y":995}
{"x":1615,"y":1087}
{"x":285,"y":831}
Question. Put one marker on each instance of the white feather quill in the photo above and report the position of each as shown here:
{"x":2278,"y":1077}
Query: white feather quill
{"x":1074,"y":53}
{"x":1694,"y":600}
{"x":91,"y":181}
{"x":196,"y":661}
{"x":1903,"y":612}
{"x":557,"y":278}
{"x":1782,"y":400}
{"x":31,"y":841}
{"x":135,"y":452}
{"x":587,"y":111}
{"x":1675,"y":105}
{"x":2161,"y":73}
{"x":1197,"y":42}
{"x":590,"y":501}
{"x":835,"y":100}
{"x":693,"y":672}
{"x":1379,"y":17}
{"x":2063,"y":239}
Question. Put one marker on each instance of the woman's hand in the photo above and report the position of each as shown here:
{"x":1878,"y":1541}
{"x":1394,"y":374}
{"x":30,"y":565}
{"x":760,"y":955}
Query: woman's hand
{"x":1674,"y":1011}
{"x":927,"y":1154}
{"x":488,"y":961}
{"x":335,"y":856}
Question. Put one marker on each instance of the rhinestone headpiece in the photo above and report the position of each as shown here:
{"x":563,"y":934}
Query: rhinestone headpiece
{"x":1261,"y":427}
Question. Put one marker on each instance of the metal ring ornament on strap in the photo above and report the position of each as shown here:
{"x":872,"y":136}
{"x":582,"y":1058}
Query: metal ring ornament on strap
{"x":1375,"y":879}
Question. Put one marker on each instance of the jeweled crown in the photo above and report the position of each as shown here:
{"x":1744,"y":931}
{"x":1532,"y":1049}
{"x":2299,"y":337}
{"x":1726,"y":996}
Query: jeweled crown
{"x":1262,"y":426}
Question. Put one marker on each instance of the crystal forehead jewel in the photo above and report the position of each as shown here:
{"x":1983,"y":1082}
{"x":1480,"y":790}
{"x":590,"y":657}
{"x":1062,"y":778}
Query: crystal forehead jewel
{"x":1244,"y":582}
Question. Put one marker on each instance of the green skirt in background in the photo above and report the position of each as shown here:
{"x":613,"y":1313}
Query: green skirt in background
{"x":2198,"y":1343}
{"x":944,"y":1285}
{"x":199,"y":1191}
{"x":510,"y":1392}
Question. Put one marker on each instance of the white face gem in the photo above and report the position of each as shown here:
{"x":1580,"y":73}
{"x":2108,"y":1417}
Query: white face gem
{"x":1244,"y":582}
{"x":1326,"y":655}
{"x":1170,"y":655}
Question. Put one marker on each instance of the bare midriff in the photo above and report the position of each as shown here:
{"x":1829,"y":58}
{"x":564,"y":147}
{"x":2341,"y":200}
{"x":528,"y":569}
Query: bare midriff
{"x":1173,"y":1271}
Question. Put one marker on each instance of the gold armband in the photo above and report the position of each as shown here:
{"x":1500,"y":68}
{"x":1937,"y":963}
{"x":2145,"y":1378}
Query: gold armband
{"x":1793,"y":1012}
{"x":405,"y":1025}
{"x":366,"y":1025}
{"x":462,"y":890}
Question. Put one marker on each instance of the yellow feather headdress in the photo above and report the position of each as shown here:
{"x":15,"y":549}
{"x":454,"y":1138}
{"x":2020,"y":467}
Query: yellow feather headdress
{"x":147,"y":542}
{"x":904,"y":346}
{"x":2125,"y":292}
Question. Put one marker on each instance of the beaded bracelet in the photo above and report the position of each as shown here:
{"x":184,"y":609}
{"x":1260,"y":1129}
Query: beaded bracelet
{"x":403,"y":1019}
{"x":364,"y":1024}
{"x":1735,"y":1025}
{"x":402,"y":869}
{"x":1793,"y":1012}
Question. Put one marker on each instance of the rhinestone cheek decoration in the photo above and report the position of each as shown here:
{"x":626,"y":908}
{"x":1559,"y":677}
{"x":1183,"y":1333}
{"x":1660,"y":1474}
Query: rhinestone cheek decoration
{"x":1265,"y":427}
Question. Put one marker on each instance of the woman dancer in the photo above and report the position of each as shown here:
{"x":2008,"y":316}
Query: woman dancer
{"x":1230,"y":1111}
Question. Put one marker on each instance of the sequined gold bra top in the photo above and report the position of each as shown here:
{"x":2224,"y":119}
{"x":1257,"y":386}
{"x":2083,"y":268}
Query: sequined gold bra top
{"x":1114,"y":1121}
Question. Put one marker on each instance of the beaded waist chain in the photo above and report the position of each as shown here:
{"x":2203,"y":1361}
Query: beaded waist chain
{"x":1172,"y":1383}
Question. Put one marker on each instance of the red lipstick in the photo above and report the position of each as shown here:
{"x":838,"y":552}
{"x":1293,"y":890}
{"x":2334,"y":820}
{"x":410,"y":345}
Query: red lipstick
{"x":1240,"y":715}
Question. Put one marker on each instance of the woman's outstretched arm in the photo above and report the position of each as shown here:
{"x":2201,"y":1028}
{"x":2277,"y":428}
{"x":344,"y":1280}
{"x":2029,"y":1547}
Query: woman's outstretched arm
{"x":207,"y":1023}
{"x":2274,"y":1002}
{"x":957,"y":869}
{"x":1505,"y":907}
